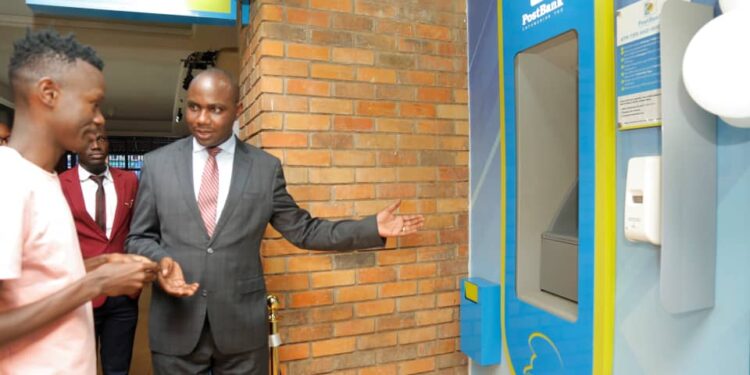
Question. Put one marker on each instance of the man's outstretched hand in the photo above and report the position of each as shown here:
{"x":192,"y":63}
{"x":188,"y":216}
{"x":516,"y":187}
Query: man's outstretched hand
{"x":97,"y":261}
{"x":172,"y":280}
{"x":121,"y":278}
{"x":391,"y":225}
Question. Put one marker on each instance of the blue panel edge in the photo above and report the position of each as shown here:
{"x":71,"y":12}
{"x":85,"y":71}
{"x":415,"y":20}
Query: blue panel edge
{"x":245,"y":13}
{"x":480,"y":323}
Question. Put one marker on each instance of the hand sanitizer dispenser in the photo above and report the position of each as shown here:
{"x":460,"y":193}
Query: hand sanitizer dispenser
{"x":643,"y":200}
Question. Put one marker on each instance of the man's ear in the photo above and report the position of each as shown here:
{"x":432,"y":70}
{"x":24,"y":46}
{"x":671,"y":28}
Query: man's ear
{"x":239,"y":110}
{"x":47,"y":91}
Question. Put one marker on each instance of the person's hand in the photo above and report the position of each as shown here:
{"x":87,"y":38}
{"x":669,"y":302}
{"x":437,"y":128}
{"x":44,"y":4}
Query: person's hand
{"x":101,"y":259}
{"x":390,"y":224}
{"x":95,"y":262}
{"x":126,"y":258}
{"x":172,"y":280}
{"x":115,"y":279}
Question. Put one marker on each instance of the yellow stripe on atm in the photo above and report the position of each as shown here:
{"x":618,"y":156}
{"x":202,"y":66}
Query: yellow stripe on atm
{"x":471,"y":291}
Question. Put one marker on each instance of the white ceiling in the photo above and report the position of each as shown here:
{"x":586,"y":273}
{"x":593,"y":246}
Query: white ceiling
{"x":142,"y":62}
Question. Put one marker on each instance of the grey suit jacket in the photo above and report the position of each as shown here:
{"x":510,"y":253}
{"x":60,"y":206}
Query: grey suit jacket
{"x":232,"y":293}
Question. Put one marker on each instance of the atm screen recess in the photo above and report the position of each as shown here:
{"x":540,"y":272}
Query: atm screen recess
{"x":547,"y":123}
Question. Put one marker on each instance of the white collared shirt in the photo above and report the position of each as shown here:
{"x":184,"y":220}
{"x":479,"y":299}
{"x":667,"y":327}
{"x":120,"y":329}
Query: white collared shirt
{"x":225,"y":162}
{"x":89,"y":187}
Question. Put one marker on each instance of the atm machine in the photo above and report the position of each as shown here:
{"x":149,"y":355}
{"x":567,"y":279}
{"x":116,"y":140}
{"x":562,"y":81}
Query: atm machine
{"x":550,"y":185}
{"x":557,"y":146}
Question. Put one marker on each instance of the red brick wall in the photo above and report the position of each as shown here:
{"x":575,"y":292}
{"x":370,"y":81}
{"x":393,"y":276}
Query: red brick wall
{"x":365,"y":102}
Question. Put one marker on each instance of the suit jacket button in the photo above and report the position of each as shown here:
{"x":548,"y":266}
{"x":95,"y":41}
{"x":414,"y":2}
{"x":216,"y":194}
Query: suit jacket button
{"x":210,"y":250}
{"x":204,"y":293}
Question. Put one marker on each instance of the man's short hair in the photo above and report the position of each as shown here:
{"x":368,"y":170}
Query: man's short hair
{"x":226,"y":76}
{"x":45,"y":51}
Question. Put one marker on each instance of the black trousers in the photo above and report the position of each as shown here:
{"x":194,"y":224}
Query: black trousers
{"x":207,"y":359}
{"x":114,"y":324}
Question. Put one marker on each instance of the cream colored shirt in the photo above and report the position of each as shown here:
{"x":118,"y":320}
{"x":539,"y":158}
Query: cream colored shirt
{"x":89,"y":187}
{"x":40,"y":256}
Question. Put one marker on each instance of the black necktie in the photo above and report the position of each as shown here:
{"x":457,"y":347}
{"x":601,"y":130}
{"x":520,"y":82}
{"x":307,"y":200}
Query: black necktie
{"x":101,"y":203}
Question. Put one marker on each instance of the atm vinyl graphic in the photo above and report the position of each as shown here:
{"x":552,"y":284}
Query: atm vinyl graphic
{"x":555,"y":217}
{"x":565,"y":322}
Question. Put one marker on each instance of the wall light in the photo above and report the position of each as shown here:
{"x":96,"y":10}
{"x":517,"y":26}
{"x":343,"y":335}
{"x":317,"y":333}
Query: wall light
{"x":716,"y":66}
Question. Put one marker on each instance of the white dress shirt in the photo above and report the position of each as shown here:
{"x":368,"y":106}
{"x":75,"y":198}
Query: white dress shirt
{"x":89,"y":187}
{"x":225,"y":162}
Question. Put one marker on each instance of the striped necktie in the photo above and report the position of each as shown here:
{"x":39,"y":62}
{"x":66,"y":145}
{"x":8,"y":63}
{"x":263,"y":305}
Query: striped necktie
{"x":209,"y":192}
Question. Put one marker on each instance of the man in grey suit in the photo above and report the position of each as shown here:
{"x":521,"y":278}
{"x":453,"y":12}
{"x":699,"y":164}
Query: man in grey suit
{"x":203,"y":205}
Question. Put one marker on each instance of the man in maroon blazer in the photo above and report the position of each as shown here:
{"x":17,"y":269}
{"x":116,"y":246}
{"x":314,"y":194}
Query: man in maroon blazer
{"x":101,"y":200}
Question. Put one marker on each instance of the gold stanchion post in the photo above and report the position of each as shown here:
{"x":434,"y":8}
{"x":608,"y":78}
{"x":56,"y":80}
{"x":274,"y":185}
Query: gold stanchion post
{"x":274,"y":340}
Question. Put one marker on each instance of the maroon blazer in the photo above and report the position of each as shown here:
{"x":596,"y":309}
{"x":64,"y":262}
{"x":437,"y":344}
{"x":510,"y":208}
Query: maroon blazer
{"x":92,"y":239}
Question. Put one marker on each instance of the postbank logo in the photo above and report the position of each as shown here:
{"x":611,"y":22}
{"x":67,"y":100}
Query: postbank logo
{"x":541,"y":12}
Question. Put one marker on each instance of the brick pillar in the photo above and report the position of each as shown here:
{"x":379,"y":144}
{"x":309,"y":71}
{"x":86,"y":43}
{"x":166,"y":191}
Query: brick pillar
{"x":365,"y":102}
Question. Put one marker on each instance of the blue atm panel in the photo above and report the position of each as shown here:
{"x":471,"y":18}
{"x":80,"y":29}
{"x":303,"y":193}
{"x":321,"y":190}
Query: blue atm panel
{"x":480,"y":320}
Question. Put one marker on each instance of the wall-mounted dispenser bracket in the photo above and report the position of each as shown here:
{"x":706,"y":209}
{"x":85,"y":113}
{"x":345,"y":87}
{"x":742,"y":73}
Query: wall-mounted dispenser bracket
{"x":688,"y":251}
